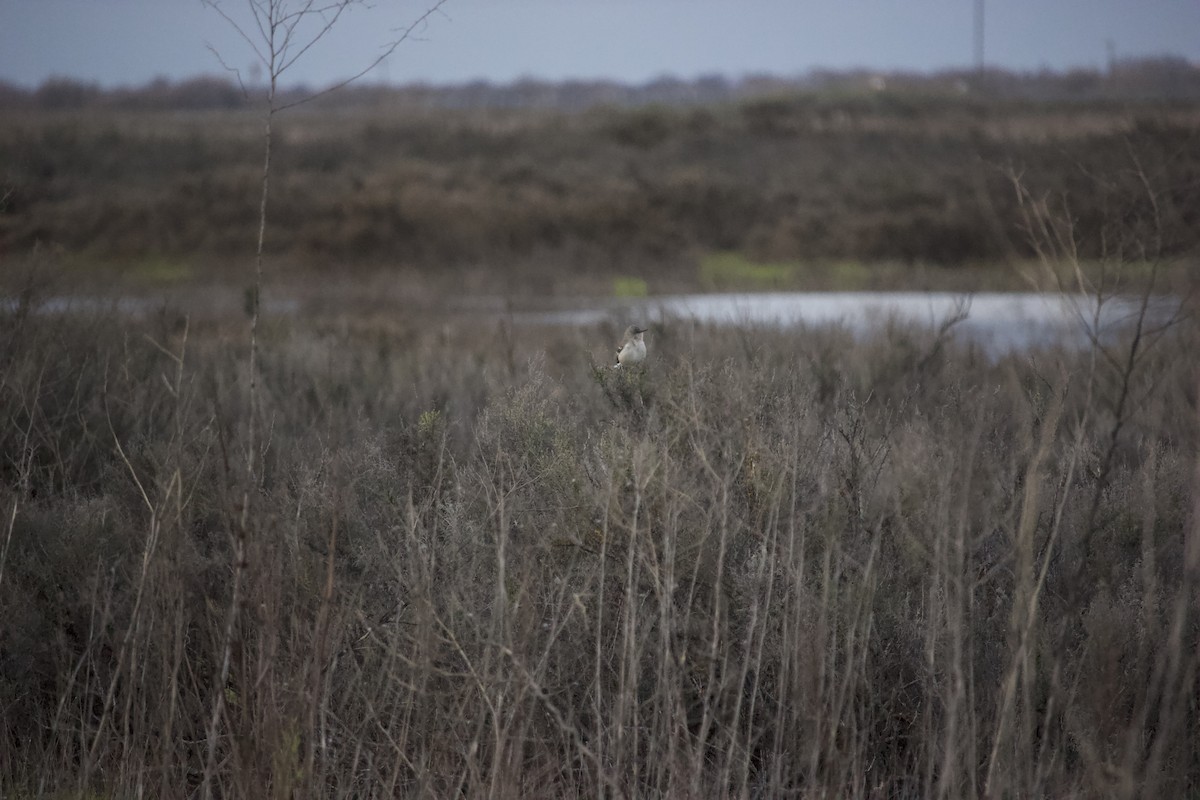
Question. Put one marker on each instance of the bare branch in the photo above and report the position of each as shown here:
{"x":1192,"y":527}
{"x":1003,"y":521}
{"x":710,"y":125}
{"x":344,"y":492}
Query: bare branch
{"x":215,"y":6}
{"x":387,"y":50}
{"x":280,"y":42}
{"x":260,"y":13}
{"x":329,"y":23}
{"x":236,"y":72}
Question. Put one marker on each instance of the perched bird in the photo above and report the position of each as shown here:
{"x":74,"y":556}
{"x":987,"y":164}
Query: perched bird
{"x":632,"y":348}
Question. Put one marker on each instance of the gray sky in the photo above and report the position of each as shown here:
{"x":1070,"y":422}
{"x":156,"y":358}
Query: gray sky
{"x":129,"y":42}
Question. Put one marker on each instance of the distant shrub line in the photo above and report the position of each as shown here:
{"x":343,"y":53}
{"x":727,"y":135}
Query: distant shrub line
{"x":776,"y":180}
{"x":1130,"y":80}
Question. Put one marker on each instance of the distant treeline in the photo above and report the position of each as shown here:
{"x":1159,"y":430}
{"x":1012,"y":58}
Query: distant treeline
{"x":1164,"y":78}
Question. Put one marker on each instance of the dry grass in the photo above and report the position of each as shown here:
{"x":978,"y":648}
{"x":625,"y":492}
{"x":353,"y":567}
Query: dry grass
{"x":770,"y":564}
{"x":894,"y":182}
{"x":446,"y":557}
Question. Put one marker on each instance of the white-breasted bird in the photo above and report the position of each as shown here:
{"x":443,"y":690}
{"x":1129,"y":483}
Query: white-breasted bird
{"x":632,"y":349}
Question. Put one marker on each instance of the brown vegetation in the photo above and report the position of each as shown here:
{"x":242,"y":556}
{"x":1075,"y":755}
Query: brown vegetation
{"x":422,"y":555}
{"x":806,"y":177}
{"x":769,"y":564}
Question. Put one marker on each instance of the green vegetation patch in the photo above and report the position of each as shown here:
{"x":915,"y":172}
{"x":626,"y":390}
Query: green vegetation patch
{"x":732,"y":270}
{"x":625,"y":286}
{"x":160,"y":269}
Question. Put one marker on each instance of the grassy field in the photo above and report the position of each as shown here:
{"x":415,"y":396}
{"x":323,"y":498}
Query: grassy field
{"x":405,"y":552}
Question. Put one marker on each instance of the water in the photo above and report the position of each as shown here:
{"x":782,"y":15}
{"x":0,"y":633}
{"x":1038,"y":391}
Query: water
{"x":1001,"y":322}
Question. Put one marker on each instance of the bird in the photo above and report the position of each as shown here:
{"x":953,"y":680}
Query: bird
{"x":632,"y":349}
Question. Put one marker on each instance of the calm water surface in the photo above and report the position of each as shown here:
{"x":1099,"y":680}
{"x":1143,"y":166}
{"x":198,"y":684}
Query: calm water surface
{"x":999,"y":321}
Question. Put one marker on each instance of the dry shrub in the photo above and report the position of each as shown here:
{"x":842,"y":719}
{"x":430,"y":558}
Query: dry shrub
{"x":769,"y":563}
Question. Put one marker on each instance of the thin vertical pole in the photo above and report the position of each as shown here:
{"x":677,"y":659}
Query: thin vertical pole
{"x":979,"y":17}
